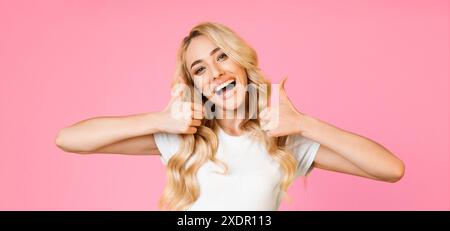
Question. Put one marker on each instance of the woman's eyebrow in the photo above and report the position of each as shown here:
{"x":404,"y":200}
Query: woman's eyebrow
{"x":210,"y":53}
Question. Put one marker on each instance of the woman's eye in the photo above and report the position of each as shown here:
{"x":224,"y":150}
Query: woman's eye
{"x":199,"y":70}
{"x":222,"y":56}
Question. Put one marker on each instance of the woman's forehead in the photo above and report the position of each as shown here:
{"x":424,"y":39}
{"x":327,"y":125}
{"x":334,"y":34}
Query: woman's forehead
{"x":199,"y":48}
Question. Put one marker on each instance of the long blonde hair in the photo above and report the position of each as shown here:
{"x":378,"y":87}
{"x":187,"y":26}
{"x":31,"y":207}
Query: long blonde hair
{"x":182,"y":189}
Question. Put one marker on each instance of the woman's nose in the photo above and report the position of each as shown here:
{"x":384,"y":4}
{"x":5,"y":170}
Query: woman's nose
{"x":216,"y":71}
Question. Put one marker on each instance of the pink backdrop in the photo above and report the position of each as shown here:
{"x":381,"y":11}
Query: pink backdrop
{"x":377,"y":68}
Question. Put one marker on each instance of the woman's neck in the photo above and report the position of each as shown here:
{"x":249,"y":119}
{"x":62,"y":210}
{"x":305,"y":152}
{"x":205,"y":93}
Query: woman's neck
{"x":230,"y":120}
{"x":231,"y":126}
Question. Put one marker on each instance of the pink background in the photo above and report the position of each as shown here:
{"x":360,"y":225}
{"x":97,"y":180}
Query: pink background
{"x":376,"y":68}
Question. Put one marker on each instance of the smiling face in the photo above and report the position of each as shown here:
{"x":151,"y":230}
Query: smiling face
{"x":219,"y":78}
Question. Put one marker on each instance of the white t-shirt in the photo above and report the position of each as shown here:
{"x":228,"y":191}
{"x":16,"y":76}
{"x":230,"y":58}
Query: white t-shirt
{"x":253,"y":178}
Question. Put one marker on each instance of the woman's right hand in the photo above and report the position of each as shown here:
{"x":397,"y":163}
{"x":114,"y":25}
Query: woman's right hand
{"x":180,"y":117}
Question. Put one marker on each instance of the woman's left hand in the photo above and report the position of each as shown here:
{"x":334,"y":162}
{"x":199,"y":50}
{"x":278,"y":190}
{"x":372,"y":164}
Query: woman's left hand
{"x":283,"y":119}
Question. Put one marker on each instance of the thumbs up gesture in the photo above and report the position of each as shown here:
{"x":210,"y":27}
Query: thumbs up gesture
{"x":282,"y":119}
{"x":181,"y":116}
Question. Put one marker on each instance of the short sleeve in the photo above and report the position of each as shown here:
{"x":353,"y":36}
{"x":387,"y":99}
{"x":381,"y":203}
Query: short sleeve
{"x":304,"y":150}
{"x":167,"y":144}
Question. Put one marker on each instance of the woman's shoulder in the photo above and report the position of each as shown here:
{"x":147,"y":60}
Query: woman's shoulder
{"x":167,"y":144}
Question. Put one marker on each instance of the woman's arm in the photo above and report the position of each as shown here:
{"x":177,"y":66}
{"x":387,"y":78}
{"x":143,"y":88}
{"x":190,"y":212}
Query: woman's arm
{"x":350,"y":153}
{"x":124,"y":135}
{"x":130,"y":134}
{"x":340,"y":151}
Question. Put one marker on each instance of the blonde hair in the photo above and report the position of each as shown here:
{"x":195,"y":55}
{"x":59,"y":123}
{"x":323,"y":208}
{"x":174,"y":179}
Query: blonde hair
{"x":182,"y":189}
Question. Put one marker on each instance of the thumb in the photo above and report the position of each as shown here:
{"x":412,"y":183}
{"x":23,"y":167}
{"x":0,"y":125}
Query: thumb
{"x":281,"y":86}
{"x":177,"y":92}
{"x":176,"y":104}
{"x":283,"y":94}
{"x":277,"y":94}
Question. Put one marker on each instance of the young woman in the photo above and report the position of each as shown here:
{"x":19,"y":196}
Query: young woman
{"x":220,"y":153}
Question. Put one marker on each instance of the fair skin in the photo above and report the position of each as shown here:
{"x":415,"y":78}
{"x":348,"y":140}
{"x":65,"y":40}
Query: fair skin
{"x":340,"y":150}
{"x":209,"y":66}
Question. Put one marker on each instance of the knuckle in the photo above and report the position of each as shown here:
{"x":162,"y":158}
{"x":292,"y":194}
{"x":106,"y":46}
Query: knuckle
{"x":185,"y":127}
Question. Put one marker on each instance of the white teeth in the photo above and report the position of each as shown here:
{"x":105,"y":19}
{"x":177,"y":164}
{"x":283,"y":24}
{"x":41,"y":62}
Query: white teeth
{"x":218,"y":88}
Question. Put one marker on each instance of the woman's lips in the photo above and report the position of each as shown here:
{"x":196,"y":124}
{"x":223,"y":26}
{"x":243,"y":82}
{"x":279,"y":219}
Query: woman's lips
{"x":223,"y":89}
{"x":227,"y":92}
{"x":221,"y":86}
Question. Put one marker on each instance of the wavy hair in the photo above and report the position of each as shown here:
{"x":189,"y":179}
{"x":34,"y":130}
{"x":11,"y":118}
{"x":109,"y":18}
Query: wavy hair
{"x":182,"y":189}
